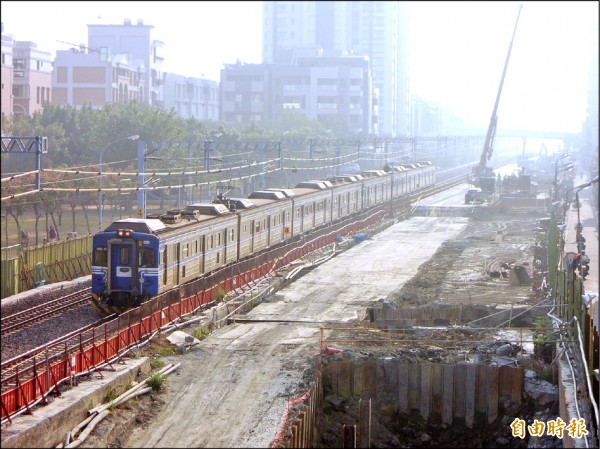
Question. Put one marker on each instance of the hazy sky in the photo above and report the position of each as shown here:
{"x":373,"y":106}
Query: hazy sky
{"x":457,"y":49}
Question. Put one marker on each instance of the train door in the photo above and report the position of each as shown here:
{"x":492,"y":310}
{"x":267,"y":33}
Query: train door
{"x":202,"y":258}
{"x":252,"y":234}
{"x":177,"y":262}
{"x":121,"y":266}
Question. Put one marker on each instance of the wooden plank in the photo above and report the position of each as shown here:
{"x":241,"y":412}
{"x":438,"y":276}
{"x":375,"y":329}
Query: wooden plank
{"x":345,"y":379}
{"x":492,"y":393}
{"x":437,"y":388}
{"x":425,"y":399}
{"x":364,"y":423}
{"x":470,"y":385}
{"x":413,"y":386}
{"x":481,"y":394}
{"x":460,"y":374}
{"x":403,"y":381}
{"x":448,"y":394}
{"x":504,"y":382}
{"x":518,"y":380}
{"x":386,"y":382}
{"x":369,"y":378}
{"x":358,"y":377}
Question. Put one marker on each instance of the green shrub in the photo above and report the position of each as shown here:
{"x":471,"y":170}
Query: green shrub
{"x":111,"y":395}
{"x":166,"y":351}
{"x":156,"y":381}
{"x":200,"y":333}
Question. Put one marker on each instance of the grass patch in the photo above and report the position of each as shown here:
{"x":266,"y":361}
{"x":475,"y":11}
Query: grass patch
{"x":157,"y":381}
{"x":165,"y":352}
{"x":221,"y":293}
{"x":200,"y":333}
{"x":156,"y":363}
{"x":160,"y":347}
{"x":111,"y":395}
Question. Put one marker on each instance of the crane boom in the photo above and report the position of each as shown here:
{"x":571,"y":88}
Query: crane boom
{"x":482,"y":169}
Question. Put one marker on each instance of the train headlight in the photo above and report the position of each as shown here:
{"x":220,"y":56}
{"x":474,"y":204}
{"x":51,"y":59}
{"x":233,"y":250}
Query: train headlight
{"x":123,"y":233}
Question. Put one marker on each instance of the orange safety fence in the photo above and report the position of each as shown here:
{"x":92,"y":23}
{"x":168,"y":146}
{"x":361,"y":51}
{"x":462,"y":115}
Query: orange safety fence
{"x":284,"y":425}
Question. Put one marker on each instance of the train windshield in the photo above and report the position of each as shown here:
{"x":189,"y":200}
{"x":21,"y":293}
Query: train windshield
{"x":146,"y":257}
{"x":101,"y":256}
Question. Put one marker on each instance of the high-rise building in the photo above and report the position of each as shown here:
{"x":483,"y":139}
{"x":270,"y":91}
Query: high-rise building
{"x":376,"y":29}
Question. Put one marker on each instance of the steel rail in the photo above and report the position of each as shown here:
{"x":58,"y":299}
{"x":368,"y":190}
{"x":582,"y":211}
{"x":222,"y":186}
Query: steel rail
{"x":21,"y":320}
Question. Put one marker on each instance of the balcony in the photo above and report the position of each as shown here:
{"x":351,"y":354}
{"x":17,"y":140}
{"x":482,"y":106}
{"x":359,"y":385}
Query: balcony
{"x":327,"y":106}
{"x":327,"y":88}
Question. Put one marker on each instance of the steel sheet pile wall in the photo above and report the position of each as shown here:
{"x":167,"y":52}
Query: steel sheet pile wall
{"x":461,"y":391}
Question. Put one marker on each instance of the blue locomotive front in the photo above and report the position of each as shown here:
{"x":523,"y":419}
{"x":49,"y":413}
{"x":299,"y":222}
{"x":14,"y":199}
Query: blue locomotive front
{"x":124,"y":267}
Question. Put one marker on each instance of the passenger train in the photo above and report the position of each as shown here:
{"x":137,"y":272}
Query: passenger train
{"x":135,"y":259}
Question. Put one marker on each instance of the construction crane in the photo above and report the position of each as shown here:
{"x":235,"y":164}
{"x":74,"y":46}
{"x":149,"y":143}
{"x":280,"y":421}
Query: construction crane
{"x":483,"y":176}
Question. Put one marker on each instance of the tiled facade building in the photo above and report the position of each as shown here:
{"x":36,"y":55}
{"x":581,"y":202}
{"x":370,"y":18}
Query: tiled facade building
{"x":26,"y":77}
{"x":6,"y":97}
{"x":96,"y":79}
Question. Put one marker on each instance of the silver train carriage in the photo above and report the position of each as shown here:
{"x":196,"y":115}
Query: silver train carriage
{"x":135,"y":259}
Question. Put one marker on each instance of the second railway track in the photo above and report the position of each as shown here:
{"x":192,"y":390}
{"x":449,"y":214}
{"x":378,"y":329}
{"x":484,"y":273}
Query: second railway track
{"x":21,"y":320}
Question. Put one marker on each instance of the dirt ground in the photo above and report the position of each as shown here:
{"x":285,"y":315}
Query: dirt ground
{"x":475,"y":265}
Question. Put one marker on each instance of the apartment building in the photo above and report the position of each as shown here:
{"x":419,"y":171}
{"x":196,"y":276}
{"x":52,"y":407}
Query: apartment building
{"x":26,"y":77}
{"x":96,"y":78}
{"x":7,"y":74}
{"x":243,"y":93}
{"x":133,"y":40}
{"x":375,"y":29}
{"x":337,"y":91}
{"x":191,"y":98}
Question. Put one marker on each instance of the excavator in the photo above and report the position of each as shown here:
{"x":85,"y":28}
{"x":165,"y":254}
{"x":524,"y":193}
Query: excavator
{"x":482,"y":175}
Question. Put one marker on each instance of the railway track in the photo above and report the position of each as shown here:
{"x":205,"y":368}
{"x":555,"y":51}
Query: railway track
{"x":26,"y":318}
{"x":22,"y":320}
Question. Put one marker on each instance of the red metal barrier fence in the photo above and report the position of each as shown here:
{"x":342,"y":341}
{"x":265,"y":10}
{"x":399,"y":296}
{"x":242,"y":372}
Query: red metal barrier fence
{"x":28,"y":379}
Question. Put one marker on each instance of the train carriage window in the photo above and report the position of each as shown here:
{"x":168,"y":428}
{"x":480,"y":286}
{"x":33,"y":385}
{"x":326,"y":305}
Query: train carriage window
{"x":219,"y":239}
{"x":245,"y":229}
{"x":196,"y":246}
{"x":287,"y":216}
{"x":232,"y":235}
{"x":183,"y":271}
{"x":146,"y":258}
{"x":298,"y":212}
{"x":101,"y":256}
{"x":124,"y":256}
{"x":265,"y":223}
{"x":211,"y":242}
